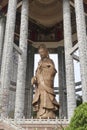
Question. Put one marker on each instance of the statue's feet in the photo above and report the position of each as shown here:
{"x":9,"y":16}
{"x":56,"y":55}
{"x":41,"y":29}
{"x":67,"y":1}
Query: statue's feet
{"x":48,"y":114}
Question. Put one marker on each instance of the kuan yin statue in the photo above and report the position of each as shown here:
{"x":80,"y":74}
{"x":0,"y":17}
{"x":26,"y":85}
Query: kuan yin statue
{"x":44,"y":102}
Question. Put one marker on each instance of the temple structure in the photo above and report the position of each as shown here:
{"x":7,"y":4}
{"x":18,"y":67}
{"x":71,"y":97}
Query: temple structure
{"x":24,"y":25}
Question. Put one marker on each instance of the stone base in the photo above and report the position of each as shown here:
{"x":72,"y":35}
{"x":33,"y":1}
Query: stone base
{"x":33,"y":124}
{"x":42,"y":127}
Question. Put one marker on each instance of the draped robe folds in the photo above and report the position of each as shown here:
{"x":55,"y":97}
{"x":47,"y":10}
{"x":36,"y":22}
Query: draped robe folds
{"x":44,"y":101}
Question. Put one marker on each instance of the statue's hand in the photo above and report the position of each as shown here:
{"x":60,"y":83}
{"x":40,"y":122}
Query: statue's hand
{"x":33,"y":80}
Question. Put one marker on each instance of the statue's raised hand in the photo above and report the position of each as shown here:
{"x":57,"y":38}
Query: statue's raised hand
{"x":33,"y":80}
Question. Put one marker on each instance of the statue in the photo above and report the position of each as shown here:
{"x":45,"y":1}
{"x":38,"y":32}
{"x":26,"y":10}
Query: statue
{"x":44,"y":102}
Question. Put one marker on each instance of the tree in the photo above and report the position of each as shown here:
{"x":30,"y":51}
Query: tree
{"x":79,"y":119}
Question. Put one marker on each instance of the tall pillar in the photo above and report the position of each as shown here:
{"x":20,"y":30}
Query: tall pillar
{"x":70,"y":84}
{"x":82,"y":41}
{"x":21,"y":77}
{"x":29,"y":87}
{"x":62,"y":83}
{"x":2,"y":32}
{"x":7,"y":56}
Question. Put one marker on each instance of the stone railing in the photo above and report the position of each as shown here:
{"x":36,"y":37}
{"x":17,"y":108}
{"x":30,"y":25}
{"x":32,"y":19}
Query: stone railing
{"x":39,"y":121}
{"x":17,"y":124}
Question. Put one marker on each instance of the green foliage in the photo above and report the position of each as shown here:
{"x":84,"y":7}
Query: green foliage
{"x":68,"y":128}
{"x":79,"y":119}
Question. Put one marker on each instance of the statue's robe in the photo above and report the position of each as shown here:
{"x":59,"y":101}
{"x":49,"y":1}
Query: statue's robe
{"x":44,"y":101}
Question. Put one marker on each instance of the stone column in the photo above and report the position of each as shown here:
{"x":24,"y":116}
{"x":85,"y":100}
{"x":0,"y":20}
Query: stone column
{"x":82,"y":41}
{"x":20,"y":90}
{"x":70,"y":84}
{"x":7,"y":56}
{"x":29,"y":87}
{"x":2,"y":32}
{"x":62,"y":83}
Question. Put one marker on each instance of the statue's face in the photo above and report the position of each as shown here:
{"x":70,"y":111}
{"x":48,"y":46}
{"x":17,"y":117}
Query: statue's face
{"x":43,"y":53}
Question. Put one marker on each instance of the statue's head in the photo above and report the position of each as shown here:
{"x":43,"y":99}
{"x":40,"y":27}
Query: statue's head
{"x":43,"y":51}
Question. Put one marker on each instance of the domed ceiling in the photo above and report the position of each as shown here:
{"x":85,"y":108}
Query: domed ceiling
{"x":46,"y":12}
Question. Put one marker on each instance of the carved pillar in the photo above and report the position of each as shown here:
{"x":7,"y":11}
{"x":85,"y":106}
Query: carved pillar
{"x":20,"y":90}
{"x":82,"y":41}
{"x":7,"y":56}
{"x":29,"y":87}
{"x":62,"y":83}
{"x":2,"y":32}
{"x":70,"y":84}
